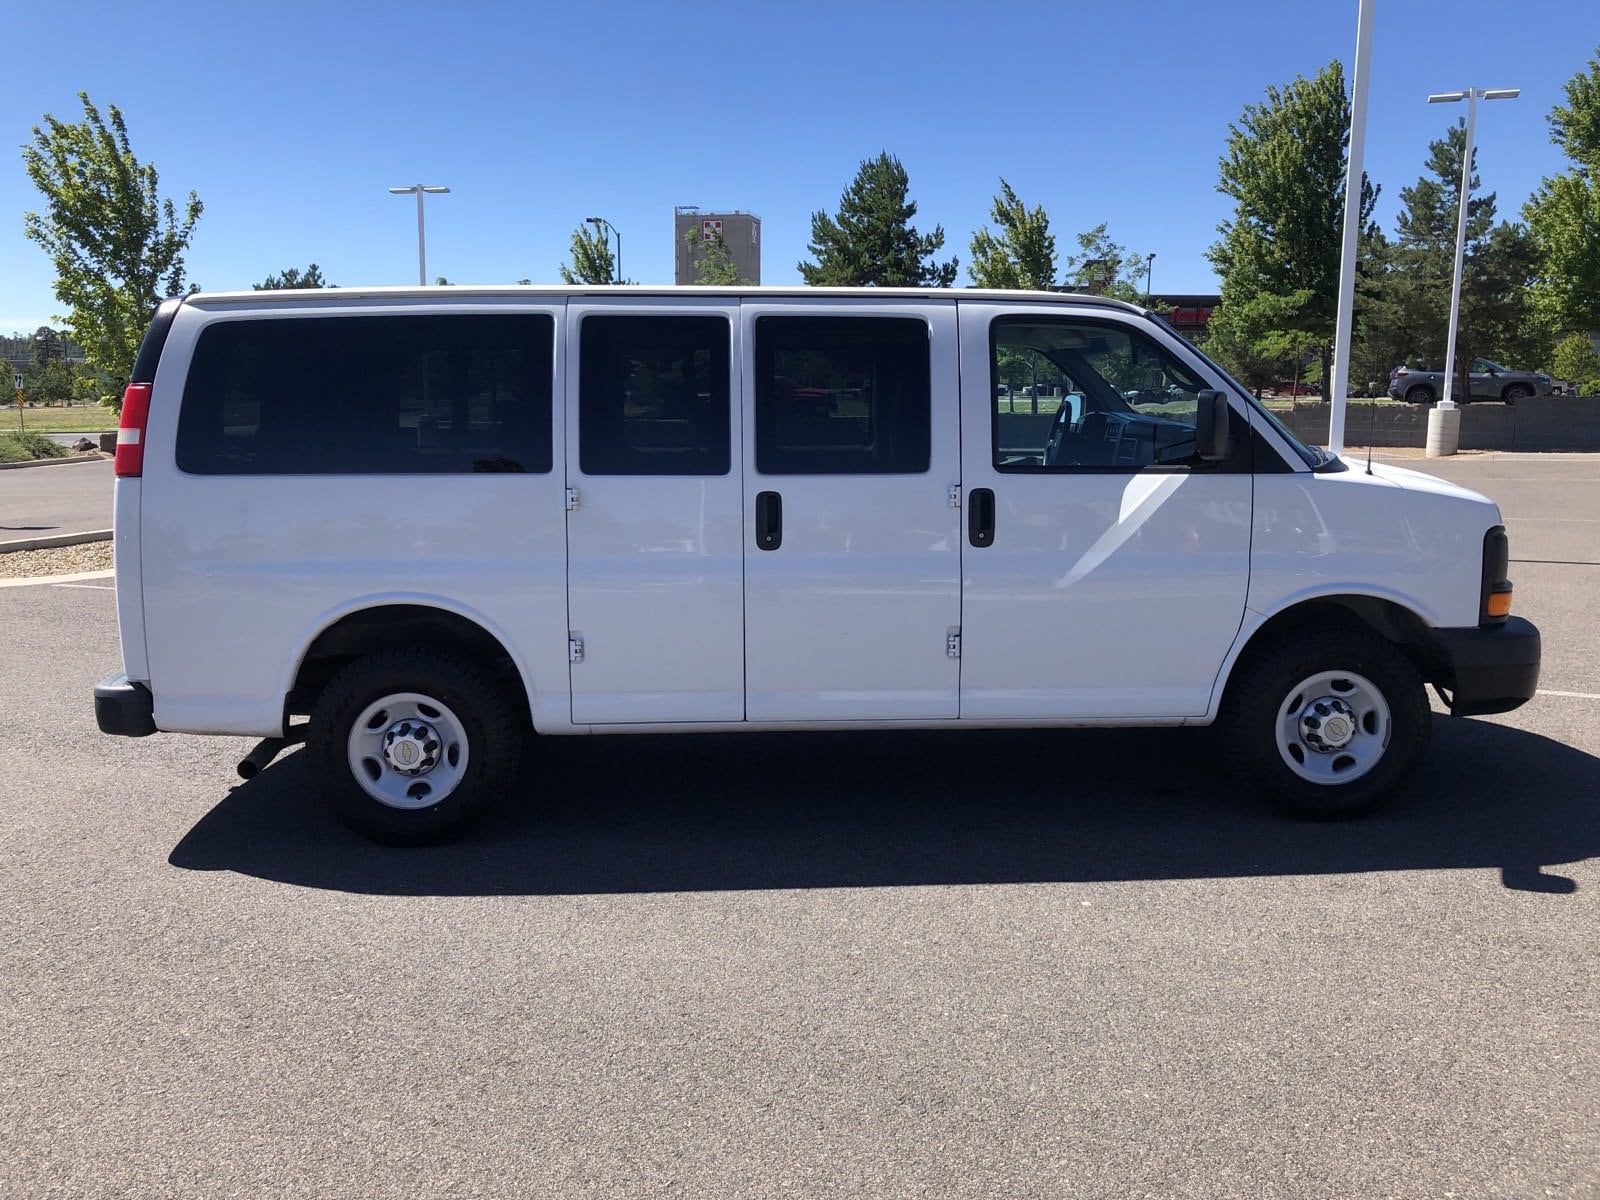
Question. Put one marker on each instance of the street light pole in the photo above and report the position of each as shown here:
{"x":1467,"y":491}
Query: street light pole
{"x":422,"y":240}
{"x":1336,"y":389}
{"x":599,"y":221}
{"x":1471,"y":96}
{"x":1149,"y":273}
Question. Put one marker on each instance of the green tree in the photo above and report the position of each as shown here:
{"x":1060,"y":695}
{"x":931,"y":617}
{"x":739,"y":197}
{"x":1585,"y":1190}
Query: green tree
{"x":1574,"y":359}
{"x":1022,"y":254}
{"x":1412,"y":305}
{"x":294,"y":278}
{"x":591,"y":258}
{"x":1563,"y":215}
{"x":1261,"y":339}
{"x":47,"y":345}
{"x":48,"y":382}
{"x":1284,"y":168}
{"x":711,"y":260}
{"x":1102,"y":267}
{"x":116,"y":245}
{"x":871,"y":242}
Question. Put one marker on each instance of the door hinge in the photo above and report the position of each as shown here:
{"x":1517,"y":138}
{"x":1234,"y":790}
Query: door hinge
{"x":955,"y":495}
{"x":952,"y":644}
{"x":572,"y":499}
{"x":574,"y":649}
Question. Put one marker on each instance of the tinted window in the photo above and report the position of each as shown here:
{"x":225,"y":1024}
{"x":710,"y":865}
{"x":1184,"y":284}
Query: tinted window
{"x":841,"y":395}
{"x":653,"y":396}
{"x":1071,"y":395}
{"x":369,"y":395}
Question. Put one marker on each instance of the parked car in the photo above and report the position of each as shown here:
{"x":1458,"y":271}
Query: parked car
{"x":1486,"y":381}
{"x":436,"y":521}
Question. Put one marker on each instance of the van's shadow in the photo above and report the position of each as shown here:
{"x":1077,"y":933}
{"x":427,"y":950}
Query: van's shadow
{"x":669,"y":813}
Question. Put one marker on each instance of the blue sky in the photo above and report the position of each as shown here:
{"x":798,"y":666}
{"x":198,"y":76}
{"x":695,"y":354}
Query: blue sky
{"x":291,"y":119}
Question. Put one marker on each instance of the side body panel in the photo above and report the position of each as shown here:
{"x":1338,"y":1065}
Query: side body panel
{"x":849,"y":618}
{"x":1105,"y":594}
{"x":656,"y":574}
{"x":1349,"y":533}
{"x":242,"y":572}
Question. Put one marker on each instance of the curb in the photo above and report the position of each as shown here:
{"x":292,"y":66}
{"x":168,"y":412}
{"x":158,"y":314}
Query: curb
{"x":53,"y":462}
{"x":54,"y":540}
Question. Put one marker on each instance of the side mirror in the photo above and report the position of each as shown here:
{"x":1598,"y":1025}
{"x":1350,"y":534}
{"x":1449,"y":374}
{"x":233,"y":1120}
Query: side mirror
{"x":1211,"y":440}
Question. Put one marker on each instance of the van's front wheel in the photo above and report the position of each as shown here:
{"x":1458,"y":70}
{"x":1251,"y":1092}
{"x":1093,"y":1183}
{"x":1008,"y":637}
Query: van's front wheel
{"x":1326,"y":724}
{"x":408,"y":743}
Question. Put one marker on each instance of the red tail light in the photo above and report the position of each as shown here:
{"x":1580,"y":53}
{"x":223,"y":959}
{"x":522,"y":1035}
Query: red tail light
{"x":130,"y":430}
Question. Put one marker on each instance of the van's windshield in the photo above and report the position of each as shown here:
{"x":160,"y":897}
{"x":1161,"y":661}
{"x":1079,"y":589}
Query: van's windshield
{"x":1314,"y":457}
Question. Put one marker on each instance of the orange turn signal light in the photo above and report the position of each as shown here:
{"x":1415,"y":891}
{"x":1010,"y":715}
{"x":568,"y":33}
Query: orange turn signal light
{"x":1499,"y":604}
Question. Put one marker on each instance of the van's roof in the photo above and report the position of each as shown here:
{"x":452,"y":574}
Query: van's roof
{"x":545,"y":291}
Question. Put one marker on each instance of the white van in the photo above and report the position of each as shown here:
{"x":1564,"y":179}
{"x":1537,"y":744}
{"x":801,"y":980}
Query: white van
{"x":434,"y":520}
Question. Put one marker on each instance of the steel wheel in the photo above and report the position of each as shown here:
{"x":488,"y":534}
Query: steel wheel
{"x":1333,"y":727}
{"x":407,"y":750}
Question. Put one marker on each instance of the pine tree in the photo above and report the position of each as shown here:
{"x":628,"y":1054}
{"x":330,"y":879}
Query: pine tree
{"x":871,"y":242}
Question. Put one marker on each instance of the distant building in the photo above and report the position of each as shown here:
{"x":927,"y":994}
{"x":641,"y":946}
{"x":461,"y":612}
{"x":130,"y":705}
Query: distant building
{"x":1189,"y":314}
{"x":740,"y":233}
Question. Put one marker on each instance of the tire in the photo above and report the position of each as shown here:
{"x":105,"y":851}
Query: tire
{"x":1515,"y":392}
{"x":438,"y":709}
{"x":1391,"y":720}
{"x":1421,"y":394}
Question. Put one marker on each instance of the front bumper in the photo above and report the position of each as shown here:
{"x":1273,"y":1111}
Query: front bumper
{"x":123,"y":707}
{"x":1490,"y":668}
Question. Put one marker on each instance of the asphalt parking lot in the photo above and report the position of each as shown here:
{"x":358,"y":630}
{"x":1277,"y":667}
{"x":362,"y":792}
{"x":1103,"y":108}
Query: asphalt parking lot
{"x":1037,"y":964}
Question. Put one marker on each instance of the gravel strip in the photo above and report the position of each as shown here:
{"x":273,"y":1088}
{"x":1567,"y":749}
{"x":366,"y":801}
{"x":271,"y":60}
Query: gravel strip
{"x":61,"y":560}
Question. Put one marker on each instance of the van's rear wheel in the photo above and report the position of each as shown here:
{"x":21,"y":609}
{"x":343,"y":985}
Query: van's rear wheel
{"x":1326,"y":723}
{"x":409,"y":743}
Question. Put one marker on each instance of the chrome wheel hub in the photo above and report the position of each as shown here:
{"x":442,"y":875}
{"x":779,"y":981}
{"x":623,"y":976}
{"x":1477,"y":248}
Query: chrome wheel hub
{"x":1327,"y":724}
{"x":411,"y":747}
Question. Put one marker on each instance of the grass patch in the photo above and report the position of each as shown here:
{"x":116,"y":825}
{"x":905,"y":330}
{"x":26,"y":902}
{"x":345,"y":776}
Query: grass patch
{"x":28,"y":446}
{"x":78,"y":418}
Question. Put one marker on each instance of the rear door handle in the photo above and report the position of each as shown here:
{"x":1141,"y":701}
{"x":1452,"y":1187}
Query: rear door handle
{"x":769,"y":520}
{"x":980,"y":517}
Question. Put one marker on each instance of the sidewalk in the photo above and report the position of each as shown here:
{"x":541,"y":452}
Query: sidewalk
{"x":69,"y":498}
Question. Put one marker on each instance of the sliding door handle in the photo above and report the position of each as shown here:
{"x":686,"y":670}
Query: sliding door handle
{"x":980,"y":517}
{"x":769,"y":520}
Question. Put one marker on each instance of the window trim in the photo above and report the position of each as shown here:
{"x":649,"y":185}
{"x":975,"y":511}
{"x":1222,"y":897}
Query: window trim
{"x":1240,"y":461}
{"x":336,"y":311}
{"x":827,"y":314}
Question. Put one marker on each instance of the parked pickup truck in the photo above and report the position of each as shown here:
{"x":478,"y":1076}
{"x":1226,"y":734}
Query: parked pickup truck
{"x":1488,"y":381}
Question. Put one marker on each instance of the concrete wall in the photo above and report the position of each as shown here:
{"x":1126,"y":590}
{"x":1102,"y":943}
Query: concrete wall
{"x":1546,"y":423}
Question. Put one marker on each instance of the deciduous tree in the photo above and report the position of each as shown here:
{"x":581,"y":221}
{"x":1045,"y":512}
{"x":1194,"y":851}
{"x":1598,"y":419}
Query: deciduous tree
{"x":1103,"y":267}
{"x":116,"y":244}
{"x":592,"y":261}
{"x":1021,"y":253}
{"x":712,"y":261}
{"x":1284,"y":168}
{"x":1563,"y":215}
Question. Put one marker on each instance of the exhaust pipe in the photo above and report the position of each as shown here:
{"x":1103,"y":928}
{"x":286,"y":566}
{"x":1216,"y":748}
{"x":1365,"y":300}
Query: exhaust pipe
{"x":266,"y":750}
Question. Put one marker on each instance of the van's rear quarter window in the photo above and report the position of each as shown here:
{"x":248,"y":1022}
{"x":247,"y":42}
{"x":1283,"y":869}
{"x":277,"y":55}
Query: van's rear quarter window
{"x":457,"y":394}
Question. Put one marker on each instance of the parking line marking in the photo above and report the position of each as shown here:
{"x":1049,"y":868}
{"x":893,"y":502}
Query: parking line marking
{"x":1571,"y":695}
{"x":93,"y":587}
{"x":68,"y":577}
